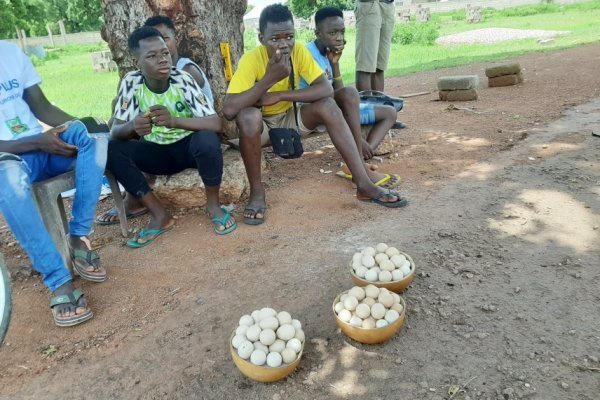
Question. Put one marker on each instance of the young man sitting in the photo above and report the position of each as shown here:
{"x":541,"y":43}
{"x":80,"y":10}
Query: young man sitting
{"x":164,"y":25}
{"x":176,"y":126}
{"x":29,"y":155}
{"x":327,"y":49}
{"x":262,"y":79}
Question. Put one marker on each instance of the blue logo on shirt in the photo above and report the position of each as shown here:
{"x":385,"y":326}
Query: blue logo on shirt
{"x":9,"y":85}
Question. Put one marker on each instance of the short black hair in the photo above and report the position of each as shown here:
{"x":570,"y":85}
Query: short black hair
{"x":327,"y":12}
{"x":160,"y":20}
{"x":274,"y":13}
{"x":141,"y":33}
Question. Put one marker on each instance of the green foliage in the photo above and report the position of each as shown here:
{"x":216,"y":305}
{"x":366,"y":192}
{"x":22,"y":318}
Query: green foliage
{"x":533,"y":9}
{"x":416,"y":33}
{"x":306,"y":8}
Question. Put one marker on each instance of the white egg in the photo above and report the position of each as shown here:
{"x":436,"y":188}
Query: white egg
{"x":258,"y":357}
{"x":267,"y":312}
{"x":345,"y":315}
{"x":385,"y":276}
{"x":356,"y":265}
{"x":369,"y":251}
{"x":378,"y":311}
{"x":260,"y":346}
{"x":372,"y":291}
{"x":237,"y":340}
{"x":376,"y":269}
{"x":253,"y":332}
{"x":357,"y":292}
{"x":277,"y":346}
{"x":381,"y":247}
{"x":288,"y":355}
{"x":368,"y":323}
{"x":350,"y":303}
{"x":255,"y":316}
{"x":396,"y":297}
{"x":368,"y":261}
{"x":368,"y":301}
{"x":361,"y":271}
{"x":339,"y":306}
{"x":397,"y":274}
{"x":274,"y":359}
{"x":241,"y":330}
{"x":391,"y":251}
{"x":356,"y":321}
{"x":363,"y":311}
{"x":371,"y":275}
{"x":398,"y":307}
{"x":387,"y":266}
{"x":245,"y":349}
{"x":381,"y":257}
{"x":391,"y":316}
{"x":405,"y":268}
{"x":296,"y":324}
{"x":269,"y":323}
{"x":380,"y":323}
{"x":386,"y":299}
{"x":356,"y":256}
{"x":343,"y":297}
{"x":286,"y":332}
{"x":294,"y":344}
{"x":267,"y":337}
{"x":300,"y":335}
{"x":398,"y":260}
{"x":284,"y":317}
{"x":246,"y":320}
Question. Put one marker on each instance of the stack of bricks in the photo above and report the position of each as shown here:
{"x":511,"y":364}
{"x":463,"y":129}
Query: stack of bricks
{"x":458,"y":88}
{"x":504,"y":75}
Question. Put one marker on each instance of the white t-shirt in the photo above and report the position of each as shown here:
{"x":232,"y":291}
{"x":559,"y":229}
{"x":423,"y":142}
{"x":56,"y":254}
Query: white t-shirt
{"x":16,"y":74}
{"x":182,"y":62}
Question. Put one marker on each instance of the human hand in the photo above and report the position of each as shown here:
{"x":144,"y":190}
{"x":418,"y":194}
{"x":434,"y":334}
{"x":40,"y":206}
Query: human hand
{"x":160,"y":116}
{"x":50,"y":142}
{"x":279,"y":67}
{"x":334,"y":53}
{"x":142,"y":125}
{"x":269,"y":98}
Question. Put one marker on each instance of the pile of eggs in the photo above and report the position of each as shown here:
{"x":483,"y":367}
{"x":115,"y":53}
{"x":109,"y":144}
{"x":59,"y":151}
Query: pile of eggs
{"x":268,"y":337}
{"x":369,"y":307}
{"x":381,"y":264}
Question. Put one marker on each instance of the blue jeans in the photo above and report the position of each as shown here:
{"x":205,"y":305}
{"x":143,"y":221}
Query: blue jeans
{"x":18,"y":172}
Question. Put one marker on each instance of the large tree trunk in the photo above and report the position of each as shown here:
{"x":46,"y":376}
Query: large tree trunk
{"x":201,"y":26}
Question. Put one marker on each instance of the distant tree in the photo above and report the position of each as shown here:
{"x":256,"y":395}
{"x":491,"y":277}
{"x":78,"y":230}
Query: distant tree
{"x":306,"y":8}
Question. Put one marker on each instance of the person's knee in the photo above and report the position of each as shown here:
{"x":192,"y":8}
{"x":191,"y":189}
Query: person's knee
{"x":327,"y":108}
{"x":349,"y":96}
{"x":388,"y":112}
{"x":13,"y":177}
{"x":205,"y":144}
{"x":249,"y":121}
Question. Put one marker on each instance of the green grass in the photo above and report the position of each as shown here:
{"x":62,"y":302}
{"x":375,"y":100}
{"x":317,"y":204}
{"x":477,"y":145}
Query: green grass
{"x":70,"y":82}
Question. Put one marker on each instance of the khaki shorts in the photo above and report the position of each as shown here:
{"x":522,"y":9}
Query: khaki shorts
{"x":374,"y":29}
{"x":285,"y":120}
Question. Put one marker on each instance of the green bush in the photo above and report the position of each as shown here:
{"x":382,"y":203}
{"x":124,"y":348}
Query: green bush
{"x":416,"y":33}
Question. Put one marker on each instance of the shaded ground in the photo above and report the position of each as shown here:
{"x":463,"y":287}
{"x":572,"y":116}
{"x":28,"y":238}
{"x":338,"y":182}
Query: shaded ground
{"x":503,"y":227}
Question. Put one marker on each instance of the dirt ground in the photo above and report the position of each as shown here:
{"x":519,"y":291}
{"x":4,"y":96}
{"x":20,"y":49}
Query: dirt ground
{"x":502,"y":225}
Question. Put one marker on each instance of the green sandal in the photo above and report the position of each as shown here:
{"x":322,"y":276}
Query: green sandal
{"x":223,"y":223}
{"x":133,"y":243}
{"x":85,"y":258}
{"x":72,"y":298}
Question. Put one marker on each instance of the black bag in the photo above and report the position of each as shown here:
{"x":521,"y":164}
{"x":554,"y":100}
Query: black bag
{"x":285,"y":141}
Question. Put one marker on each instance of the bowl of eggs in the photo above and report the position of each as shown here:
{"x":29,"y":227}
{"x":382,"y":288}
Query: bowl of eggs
{"x":267,"y":345}
{"x":383,"y":266}
{"x":369,"y":314}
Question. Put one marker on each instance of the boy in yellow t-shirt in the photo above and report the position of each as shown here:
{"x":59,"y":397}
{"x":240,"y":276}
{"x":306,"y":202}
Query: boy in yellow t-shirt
{"x":262,"y":80}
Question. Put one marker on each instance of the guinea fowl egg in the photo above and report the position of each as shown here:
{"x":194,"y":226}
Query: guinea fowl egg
{"x":260,"y":346}
{"x":286,"y":332}
{"x":277,"y":346}
{"x":363,"y":311}
{"x":357,"y":256}
{"x":369,"y":251}
{"x":267,"y":337}
{"x":361,"y":271}
{"x":350,"y":303}
{"x":356,"y":264}
{"x":274,"y":359}
{"x":376,"y":269}
{"x":245,"y":349}
{"x":284,"y":317}
{"x":391,"y":251}
{"x":356,"y":321}
{"x":269,"y":323}
{"x":237,"y":340}
{"x":385,"y":276}
{"x":398,"y":307}
{"x":296,"y":324}
{"x":372,"y":291}
{"x":398,"y":260}
{"x":381,"y":247}
{"x":371,"y":275}
{"x":405,"y":268}
{"x":241,"y":330}
{"x":378,"y":311}
{"x":258,"y":357}
{"x":380,"y":323}
{"x":246,"y":320}
{"x":368,"y":301}
{"x":294,"y":344}
{"x":368,"y":323}
{"x":300,"y":335}
{"x":339,"y":306}
{"x":397,"y":274}
{"x":387,"y":266}
{"x":345,"y":315}
{"x":253,"y":332}
{"x":357,"y":292}
{"x":343,"y":297}
{"x":288,"y":355}
{"x":391,"y":316}
{"x":396,"y":297}
{"x":266,"y":313}
{"x":255,"y":316}
{"x":368,"y":261}
{"x":381,"y":257}
{"x":386,"y":299}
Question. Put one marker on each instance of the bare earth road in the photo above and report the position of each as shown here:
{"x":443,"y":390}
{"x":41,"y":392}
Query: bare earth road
{"x":503,"y":226}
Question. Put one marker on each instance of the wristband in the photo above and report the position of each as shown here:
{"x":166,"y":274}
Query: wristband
{"x":337,"y":78}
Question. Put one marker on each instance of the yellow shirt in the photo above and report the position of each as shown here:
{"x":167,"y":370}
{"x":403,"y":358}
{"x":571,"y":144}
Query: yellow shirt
{"x":253,"y":66}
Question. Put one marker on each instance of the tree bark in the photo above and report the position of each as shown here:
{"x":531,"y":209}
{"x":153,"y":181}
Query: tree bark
{"x":201,"y":26}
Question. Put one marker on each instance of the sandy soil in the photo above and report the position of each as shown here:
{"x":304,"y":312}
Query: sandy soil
{"x":503,"y":227}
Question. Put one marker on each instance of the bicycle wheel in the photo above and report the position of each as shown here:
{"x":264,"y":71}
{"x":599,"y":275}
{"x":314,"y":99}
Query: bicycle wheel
{"x":5,"y":299}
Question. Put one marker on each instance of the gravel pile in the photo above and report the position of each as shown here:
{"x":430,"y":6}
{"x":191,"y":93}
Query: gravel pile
{"x":492,"y":35}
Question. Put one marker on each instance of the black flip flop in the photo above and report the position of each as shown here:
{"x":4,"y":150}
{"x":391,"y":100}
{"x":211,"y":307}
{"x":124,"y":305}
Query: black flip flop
{"x":114,"y":213}
{"x":377,"y":199}
{"x":255,"y":210}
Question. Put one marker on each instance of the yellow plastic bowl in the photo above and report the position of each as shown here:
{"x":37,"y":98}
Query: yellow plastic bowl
{"x":370,"y":336}
{"x":263,"y":373}
{"x":394,"y":286}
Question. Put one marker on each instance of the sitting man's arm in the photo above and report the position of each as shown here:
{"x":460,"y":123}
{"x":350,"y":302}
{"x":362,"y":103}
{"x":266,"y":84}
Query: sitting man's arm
{"x":318,"y":89}
{"x":133,"y":129}
{"x":160,"y":116}
{"x":195,"y":73}
{"x":43,"y":109}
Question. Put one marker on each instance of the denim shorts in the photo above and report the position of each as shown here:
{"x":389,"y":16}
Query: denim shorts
{"x":367,"y":113}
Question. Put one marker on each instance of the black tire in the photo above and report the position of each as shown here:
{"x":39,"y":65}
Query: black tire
{"x":5,"y":299}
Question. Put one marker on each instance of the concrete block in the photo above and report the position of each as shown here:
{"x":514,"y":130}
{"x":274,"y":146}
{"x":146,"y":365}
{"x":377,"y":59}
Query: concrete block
{"x":458,"y":82}
{"x":501,"y":70}
{"x":458,"y":95}
{"x":505,"y":80}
